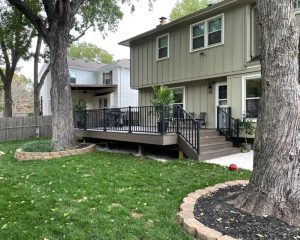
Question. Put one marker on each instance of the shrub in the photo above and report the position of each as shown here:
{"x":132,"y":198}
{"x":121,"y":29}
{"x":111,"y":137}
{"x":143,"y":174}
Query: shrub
{"x":38,"y":146}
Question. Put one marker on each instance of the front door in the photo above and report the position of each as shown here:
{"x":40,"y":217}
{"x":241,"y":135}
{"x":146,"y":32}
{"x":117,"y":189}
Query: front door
{"x":221,"y":101}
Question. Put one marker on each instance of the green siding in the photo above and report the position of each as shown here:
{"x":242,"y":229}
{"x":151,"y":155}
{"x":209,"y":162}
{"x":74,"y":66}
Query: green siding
{"x":183,"y":65}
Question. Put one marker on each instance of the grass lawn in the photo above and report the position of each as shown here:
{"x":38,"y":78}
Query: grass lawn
{"x":98,"y":196}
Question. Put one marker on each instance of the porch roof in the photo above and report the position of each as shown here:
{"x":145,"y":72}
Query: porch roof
{"x":98,"y":89}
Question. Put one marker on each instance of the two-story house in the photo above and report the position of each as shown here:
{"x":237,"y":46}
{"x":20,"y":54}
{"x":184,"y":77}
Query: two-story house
{"x":210,"y":58}
{"x":100,"y":85}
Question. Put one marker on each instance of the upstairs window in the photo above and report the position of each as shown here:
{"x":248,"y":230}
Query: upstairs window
{"x":107,"y":78}
{"x":297,"y":3}
{"x":207,"y":33}
{"x":215,"y":31}
{"x":163,"y":47}
{"x":198,"y":35}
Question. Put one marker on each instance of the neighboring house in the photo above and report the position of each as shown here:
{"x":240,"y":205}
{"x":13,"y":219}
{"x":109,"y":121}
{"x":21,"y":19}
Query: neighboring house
{"x":101,"y":85}
{"x":210,"y":58}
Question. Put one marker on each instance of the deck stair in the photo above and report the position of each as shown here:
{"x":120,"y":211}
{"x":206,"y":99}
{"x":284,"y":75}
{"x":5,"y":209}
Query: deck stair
{"x":212,"y":145}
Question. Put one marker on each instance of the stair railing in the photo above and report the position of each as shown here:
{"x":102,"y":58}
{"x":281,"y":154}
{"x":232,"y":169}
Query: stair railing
{"x":188,"y":128}
{"x":228,"y":126}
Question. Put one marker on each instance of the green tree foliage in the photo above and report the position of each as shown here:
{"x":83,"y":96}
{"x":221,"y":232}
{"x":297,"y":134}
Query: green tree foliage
{"x":16,"y":34}
{"x":186,"y":7}
{"x":90,"y":52}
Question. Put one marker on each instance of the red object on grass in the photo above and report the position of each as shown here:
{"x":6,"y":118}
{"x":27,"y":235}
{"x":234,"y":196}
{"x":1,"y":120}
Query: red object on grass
{"x":233,"y":167}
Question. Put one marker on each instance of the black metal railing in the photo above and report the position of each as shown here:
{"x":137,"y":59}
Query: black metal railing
{"x":188,"y":128}
{"x":227,"y":125}
{"x":149,"y":119}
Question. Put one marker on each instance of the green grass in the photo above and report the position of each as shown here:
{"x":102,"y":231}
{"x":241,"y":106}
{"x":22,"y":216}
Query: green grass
{"x":44,"y":145}
{"x":98,"y":196}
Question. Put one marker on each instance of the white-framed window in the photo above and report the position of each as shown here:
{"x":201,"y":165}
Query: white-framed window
{"x":252,"y":88}
{"x":162,"y":46}
{"x":72,"y":77}
{"x":179,"y":95}
{"x":297,"y":4}
{"x":107,"y":78}
{"x":207,"y":33}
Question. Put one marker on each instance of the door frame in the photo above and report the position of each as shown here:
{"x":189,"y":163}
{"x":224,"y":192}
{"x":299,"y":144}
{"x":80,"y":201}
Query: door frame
{"x":217,"y":85}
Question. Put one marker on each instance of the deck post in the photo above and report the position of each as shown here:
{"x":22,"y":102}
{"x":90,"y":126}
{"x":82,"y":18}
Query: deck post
{"x":163,"y":120}
{"x":177,"y":116}
{"x":229,"y":122}
{"x":84,"y":118}
{"x":198,"y":136}
{"x":129,"y":120}
{"x":218,"y":118}
{"x":104,"y":119}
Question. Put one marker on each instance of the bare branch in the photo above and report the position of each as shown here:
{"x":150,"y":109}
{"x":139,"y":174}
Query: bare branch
{"x":43,"y":77}
{"x":2,"y":75}
{"x":81,"y":34}
{"x":34,"y":19}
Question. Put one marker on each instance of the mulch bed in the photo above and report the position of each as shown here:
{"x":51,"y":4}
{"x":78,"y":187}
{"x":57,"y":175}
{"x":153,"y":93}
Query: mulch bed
{"x":214,"y":212}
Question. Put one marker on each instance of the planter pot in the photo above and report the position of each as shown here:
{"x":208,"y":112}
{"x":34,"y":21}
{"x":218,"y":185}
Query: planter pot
{"x":162,"y":129}
{"x":80,"y":124}
{"x":246,"y":146}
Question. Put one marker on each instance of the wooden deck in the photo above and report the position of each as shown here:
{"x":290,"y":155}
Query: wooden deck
{"x":125,"y":136}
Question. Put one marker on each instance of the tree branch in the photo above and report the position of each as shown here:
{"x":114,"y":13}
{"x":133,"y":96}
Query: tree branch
{"x":5,"y":54}
{"x":34,"y":19}
{"x":2,"y":75}
{"x":43,"y":77}
{"x":75,"y":5}
{"x":81,"y":34}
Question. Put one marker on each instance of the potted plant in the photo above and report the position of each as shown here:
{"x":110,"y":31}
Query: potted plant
{"x":79,"y":106}
{"x":246,"y":128}
{"x":162,"y":100}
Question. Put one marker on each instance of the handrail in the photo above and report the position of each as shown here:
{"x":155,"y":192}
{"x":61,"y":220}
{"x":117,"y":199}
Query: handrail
{"x":189,"y":128}
{"x":227,"y":125}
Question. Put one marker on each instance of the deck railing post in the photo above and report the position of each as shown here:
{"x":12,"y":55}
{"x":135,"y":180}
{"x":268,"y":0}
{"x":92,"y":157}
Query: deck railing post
{"x":130,"y":120}
{"x":85,"y":118}
{"x":198,"y":136}
{"x":104,"y":119}
{"x":229,"y":122}
{"x":238,"y":132}
{"x":163,"y":120}
{"x":177,"y":116}
{"x":218,"y":118}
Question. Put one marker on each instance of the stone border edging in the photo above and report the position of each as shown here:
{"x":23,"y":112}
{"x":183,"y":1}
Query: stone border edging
{"x":186,"y":215}
{"x":25,"y":156}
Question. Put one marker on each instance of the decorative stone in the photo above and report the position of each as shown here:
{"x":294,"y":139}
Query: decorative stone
{"x":202,"y":192}
{"x":221,"y":185}
{"x":189,"y":200}
{"x":205,"y":233}
{"x":183,"y":215}
{"x":231,"y":183}
{"x":225,"y":237}
{"x":191,"y":225}
{"x":212,"y":189}
{"x":20,"y":155}
{"x":187,"y":207}
{"x":194,"y":195}
{"x":242,"y":182}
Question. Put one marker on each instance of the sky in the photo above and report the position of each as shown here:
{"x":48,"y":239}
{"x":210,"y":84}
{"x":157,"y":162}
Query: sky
{"x":141,"y":20}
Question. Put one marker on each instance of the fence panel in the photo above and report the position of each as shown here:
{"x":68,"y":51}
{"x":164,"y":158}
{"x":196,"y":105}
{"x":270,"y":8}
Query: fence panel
{"x":19,"y":128}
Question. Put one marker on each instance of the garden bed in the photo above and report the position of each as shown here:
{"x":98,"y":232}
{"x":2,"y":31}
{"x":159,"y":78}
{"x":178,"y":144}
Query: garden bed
{"x":46,"y":155}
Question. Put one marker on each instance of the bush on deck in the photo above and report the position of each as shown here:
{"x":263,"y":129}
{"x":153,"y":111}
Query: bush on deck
{"x":38,"y":146}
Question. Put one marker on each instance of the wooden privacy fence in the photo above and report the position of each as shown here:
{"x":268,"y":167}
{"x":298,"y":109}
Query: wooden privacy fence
{"x":19,"y":128}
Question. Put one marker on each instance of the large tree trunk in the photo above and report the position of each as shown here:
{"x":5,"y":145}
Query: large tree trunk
{"x":61,"y":104}
{"x":274,"y":187}
{"x":8,"y":102}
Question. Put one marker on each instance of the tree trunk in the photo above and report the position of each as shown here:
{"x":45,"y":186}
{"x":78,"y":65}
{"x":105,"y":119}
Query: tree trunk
{"x":7,"y":98}
{"x":36,"y":92}
{"x":274,"y":187}
{"x":61,"y":104}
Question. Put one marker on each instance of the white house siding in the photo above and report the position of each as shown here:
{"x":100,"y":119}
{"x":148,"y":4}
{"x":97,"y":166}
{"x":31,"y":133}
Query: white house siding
{"x":124,"y":96}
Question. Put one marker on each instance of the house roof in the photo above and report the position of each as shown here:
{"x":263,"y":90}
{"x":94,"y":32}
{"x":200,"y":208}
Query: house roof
{"x":80,"y":63}
{"x":203,"y":12}
{"x":90,"y":65}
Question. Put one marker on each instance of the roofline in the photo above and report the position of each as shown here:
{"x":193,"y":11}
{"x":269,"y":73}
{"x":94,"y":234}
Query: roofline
{"x":191,"y":16}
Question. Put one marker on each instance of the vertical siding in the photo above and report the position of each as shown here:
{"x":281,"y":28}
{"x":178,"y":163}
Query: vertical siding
{"x":183,"y":65}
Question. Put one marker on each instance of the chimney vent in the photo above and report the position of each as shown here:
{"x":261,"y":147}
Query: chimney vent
{"x":162,"y":21}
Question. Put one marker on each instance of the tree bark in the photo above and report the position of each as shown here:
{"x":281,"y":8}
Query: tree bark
{"x":38,"y":83}
{"x":8,"y":102}
{"x":274,"y":187}
{"x":61,"y":104}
